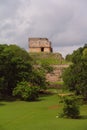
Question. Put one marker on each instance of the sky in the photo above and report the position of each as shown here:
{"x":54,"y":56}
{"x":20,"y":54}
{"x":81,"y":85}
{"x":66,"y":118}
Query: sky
{"x":63,"y":22}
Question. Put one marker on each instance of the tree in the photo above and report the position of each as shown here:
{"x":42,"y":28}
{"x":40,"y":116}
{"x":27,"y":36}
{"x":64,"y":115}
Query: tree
{"x":68,"y":57}
{"x":38,"y":78}
{"x":15,"y":65}
{"x":76,"y":56}
{"x":85,"y":54}
{"x":75,"y":77}
{"x":71,"y":107}
{"x":25,"y":91}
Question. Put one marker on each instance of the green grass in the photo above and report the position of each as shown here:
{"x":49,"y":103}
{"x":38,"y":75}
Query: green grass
{"x":59,"y":82}
{"x":40,"y":115}
{"x":48,"y":58}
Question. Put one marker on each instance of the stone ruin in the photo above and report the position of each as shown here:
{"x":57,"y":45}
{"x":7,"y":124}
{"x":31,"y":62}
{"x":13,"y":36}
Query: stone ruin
{"x":39,"y":45}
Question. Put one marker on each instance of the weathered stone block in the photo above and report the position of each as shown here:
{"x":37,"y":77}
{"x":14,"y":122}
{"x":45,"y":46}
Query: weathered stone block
{"x":39,"y":45}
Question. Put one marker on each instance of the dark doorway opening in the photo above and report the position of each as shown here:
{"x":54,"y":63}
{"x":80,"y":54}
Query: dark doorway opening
{"x":42,"y":49}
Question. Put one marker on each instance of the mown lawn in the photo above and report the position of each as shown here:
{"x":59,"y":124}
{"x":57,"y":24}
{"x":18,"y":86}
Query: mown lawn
{"x":40,"y":115}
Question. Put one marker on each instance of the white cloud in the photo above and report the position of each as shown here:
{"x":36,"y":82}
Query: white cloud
{"x":66,"y":49}
{"x":64,"y":22}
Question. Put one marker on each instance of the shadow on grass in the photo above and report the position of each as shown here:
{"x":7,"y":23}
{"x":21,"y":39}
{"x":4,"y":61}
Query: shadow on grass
{"x":1,"y":104}
{"x":83,"y":117}
{"x":1,"y":128}
{"x":7,"y":99}
{"x":42,"y":94}
{"x":46,"y":93}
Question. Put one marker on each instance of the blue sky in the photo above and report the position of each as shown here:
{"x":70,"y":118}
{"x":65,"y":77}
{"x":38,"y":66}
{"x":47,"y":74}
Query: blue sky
{"x":63,"y":22}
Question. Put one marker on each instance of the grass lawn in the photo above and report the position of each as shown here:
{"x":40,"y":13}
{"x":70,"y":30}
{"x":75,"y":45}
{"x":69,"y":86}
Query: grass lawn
{"x":40,"y":115}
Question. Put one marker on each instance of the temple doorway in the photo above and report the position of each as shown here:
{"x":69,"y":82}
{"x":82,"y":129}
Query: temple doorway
{"x":42,"y":49}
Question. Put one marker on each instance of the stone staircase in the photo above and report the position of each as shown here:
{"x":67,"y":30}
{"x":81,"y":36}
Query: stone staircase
{"x":56,"y":75}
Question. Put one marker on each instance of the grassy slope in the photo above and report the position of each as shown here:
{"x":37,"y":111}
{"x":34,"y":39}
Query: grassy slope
{"x":50,"y":58}
{"x":39,"y":115}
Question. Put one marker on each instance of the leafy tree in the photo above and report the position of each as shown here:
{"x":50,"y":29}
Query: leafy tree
{"x":76,"y":56}
{"x":75,"y":77}
{"x":69,"y":79}
{"x":38,"y":78}
{"x":68,"y":57}
{"x":85,"y":54}
{"x":16,"y":66}
{"x":25,"y":91}
{"x":13,"y":67}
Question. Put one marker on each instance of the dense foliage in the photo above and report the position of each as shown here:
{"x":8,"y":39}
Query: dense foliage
{"x":48,"y":58}
{"x":25,"y":91}
{"x":75,"y":77}
{"x":48,"y":68}
{"x":71,"y":107}
{"x":16,"y":66}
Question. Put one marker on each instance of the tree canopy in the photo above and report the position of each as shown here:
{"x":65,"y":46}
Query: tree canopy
{"x":16,"y":66}
{"x":75,"y":77}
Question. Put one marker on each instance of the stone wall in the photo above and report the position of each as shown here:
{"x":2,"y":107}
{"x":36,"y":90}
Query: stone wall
{"x":56,"y":75}
{"x":47,"y":49}
{"x":34,"y":49}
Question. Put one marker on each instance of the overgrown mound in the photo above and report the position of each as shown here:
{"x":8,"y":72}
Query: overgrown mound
{"x":49,"y":58}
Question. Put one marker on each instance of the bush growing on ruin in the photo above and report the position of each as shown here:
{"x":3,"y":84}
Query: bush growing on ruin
{"x":48,"y":68}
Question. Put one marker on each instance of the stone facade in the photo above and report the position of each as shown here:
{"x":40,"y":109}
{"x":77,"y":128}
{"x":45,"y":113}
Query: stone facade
{"x":39,"y":45}
{"x":56,"y":75}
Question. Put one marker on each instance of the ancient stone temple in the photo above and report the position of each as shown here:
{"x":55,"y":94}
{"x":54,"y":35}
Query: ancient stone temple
{"x":39,"y":45}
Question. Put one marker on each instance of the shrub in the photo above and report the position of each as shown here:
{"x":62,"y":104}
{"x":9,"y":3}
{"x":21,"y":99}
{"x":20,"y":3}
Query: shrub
{"x":48,"y":68}
{"x":25,"y":91}
{"x":71,"y":107}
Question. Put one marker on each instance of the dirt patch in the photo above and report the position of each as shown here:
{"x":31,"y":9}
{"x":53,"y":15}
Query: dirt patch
{"x":66,"y":94}
{"x":54,"y":107}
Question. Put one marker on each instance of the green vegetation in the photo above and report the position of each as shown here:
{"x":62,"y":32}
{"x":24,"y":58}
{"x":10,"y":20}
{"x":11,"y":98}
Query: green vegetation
{"x":71,"y":107}
{"x":48,"y":68}
{"x":59,"y":82}
{"x":23,"y":77}
{"x":14,"y":67}
{"x":26,"y":91}
{"x":75,"y":77}
{"x":17,"y":66}
{"x":40,"y":115}
{"x":48,"y":58}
